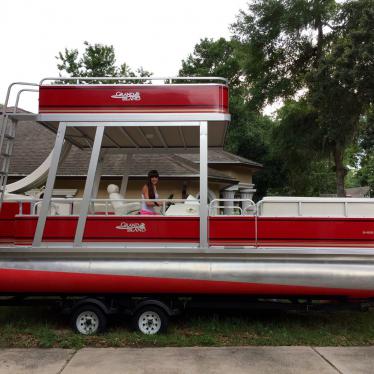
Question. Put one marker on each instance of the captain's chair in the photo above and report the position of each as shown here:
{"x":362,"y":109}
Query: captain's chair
{"x":120,"y":207}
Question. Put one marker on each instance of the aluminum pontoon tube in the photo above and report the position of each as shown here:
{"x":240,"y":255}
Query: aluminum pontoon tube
{"x":258,"y":275}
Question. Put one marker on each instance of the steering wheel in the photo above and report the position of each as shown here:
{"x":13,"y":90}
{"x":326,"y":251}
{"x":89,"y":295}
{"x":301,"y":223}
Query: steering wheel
{"x":167,"y":205}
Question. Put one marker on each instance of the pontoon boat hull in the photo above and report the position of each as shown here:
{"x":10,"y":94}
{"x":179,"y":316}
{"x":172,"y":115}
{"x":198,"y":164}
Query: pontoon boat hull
{"x":257,"y":274}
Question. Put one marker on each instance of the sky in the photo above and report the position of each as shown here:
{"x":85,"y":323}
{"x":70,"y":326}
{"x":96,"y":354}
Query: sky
{"x":156,"y":35}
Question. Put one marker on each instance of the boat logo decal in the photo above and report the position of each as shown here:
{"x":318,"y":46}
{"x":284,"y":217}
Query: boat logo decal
{"x":127,"y":96}
{"x":370,"y":232}
{"x":132,"y":227}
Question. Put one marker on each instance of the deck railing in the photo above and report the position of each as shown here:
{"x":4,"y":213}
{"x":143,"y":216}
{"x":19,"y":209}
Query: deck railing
{"x":348,"y":207}
{"x":104,"y":207}
{"x":97,"y":206}
{"x":217,"y":208}
{"x":126,"y":80}
{"x":316,"y":207}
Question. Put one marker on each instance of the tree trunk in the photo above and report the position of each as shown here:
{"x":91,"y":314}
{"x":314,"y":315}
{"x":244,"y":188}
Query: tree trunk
{"x":340,"y":171}
{"x":319,"y":40}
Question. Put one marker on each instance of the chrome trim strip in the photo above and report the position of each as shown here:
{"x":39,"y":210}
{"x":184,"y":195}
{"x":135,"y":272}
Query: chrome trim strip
{"x":96,"y":118}
{"x":89,"y":248}
{"x":136,"y":79}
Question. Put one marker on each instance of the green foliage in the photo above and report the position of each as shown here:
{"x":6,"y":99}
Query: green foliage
{"x":321,"y":52}
{"x":97,"y":60}
{"x":215,"y":58}
{"x":363,"y":159}
{"x":297,"y":135}
{"x":316,"y":57}
{"x":283,"y":40}
{"x":271,"y":328}
{"x":281,"y":146}
{"x":296,"y":141}
{"x":366,"y":140}
{"x":353,"y":50}
{"x":249,"y":132}
{"x":365,"y":175}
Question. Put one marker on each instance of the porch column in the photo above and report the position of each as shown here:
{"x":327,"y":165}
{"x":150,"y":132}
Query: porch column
{"x":125,"y":176}
{"x":247,"y":193}
{"x":229,"y":193}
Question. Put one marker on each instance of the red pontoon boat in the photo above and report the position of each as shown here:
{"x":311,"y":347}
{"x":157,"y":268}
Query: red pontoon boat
{"x":99,"y":250}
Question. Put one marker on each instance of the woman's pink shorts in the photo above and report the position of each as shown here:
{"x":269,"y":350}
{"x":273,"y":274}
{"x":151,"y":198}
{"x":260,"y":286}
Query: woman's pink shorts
{"x":147,"y":213}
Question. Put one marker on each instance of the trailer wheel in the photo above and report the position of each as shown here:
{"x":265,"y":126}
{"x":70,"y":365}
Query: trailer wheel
{"x":150,"y":320}
{"x":88,"y":320}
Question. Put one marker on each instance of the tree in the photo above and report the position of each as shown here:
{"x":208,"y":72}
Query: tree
{"x":318,"y":50}
{"x":296,"y":142}
{"x":363,"y":159}
{"x":215,"y":58}
{"x":342,"y":86}
{"x":249,"y":131}
{"x":282,"y":40}
{"x":98,"y":60}
{"x":221,"y":58}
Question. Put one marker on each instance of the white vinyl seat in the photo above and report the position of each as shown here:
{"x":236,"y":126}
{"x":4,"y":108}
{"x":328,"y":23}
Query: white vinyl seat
{"x":120,"y":207}
{"x":189,"y":208}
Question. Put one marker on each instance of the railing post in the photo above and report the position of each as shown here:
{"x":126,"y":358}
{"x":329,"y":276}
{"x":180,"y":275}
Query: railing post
{"x":203,"y":184}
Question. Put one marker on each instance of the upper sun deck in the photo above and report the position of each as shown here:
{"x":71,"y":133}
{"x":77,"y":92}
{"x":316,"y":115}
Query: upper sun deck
{"x":152,"y":102}
{"x":140,"y":98}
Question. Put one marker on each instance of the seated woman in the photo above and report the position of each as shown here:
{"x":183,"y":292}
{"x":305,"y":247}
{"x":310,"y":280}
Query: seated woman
{"x":149,"y":191}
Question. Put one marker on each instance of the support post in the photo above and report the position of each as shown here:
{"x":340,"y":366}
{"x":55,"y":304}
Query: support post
{"x":203,"y":185}
{"x":125,"y":177}
{"x":38,"y":237}
{"x":89,"y":185}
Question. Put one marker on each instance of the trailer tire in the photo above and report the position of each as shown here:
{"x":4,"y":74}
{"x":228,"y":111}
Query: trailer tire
{"x":150,"y":320}
{"x":88,"y":320}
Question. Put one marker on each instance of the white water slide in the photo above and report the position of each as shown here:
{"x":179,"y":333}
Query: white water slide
{"x":38,"y":176}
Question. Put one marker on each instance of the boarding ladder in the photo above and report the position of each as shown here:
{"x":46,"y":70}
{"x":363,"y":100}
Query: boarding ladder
{"x":7,"y":135}
{"x":8,"y":127}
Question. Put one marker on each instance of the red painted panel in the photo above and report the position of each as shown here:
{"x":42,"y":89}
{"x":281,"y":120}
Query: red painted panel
{"x":142,"y":228}
{"x":223,"y":230}
{"x":140,"y":98}
{"x":7,"y":219}
{"x":316,"y":229}
{"x":162,"y":229}
{"x":57,"y":228}
{"x":234,"y":230}
{"x":238,"y":230}
{"x":31,"y":281}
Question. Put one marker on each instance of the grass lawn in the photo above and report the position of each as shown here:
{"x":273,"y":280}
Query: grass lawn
{"x":24,"y":327}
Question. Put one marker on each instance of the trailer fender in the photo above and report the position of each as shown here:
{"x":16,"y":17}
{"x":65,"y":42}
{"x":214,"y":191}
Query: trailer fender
{"x":107,"y":309}
{"x":153,"y":302}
